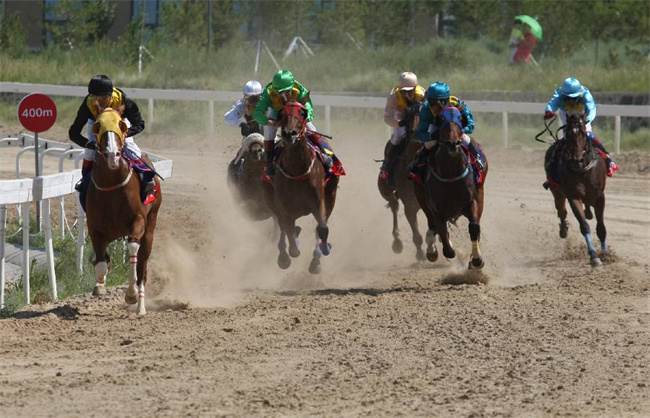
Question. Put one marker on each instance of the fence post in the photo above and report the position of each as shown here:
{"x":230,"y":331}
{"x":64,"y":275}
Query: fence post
{"x":504,"y":126}
{"x":3,"y":237}
{"x":211,"y":116}
{"x":328,"y":119}
{"x":150,"y":113}
{"x":617,"y":134}
{"x":26,"y":251}
{"x":49,"y":251}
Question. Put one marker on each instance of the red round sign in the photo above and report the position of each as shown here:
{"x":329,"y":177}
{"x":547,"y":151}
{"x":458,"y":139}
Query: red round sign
{"x":37,"y":112}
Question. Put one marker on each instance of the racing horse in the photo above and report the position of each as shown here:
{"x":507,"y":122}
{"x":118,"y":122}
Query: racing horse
{"x":300,"y":189}
{"x":449,"y":189}
{"x":245,"y":178}
{"x":403,"y":189}
{"x":114,"y":208}
{"x":583,"y":174}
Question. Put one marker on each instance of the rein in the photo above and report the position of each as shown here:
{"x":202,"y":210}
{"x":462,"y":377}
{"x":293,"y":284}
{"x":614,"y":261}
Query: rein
{"x":114,"y":187}
{"x":453,"y":179}
{"x":547,"y":128}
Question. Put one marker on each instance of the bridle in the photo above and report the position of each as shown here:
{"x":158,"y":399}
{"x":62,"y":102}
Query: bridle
{"x":451,"y":116}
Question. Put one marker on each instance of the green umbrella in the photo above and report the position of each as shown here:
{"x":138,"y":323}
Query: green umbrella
{"x":535,"y":27}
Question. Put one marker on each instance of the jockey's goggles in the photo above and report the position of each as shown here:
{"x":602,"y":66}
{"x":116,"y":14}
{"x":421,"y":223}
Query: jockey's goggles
{"x":442,"y":102}
{"x":252,"y":98}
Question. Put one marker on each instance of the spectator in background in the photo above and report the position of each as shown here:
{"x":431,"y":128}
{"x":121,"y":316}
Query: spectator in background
{"x":525,"y":47}
{"x":516,"y":36}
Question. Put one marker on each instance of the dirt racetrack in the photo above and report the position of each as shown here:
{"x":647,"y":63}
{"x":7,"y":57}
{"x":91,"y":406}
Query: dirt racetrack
{"x":377,"y":334}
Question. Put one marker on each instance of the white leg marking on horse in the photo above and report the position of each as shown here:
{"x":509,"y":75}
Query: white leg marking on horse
{"x":476,"y":250}
{"x":101,"y":269}
{"x":141,"y":309}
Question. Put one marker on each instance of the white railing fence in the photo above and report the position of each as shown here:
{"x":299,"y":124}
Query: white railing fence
{"x":41,"y":189}
{"x":327,"y":101}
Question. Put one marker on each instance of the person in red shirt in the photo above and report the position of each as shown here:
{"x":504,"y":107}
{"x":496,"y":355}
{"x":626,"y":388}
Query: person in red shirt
{"x":525,"y":47}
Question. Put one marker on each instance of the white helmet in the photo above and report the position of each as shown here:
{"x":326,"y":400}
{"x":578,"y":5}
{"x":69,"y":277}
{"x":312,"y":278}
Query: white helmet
{"x":252,"y":88}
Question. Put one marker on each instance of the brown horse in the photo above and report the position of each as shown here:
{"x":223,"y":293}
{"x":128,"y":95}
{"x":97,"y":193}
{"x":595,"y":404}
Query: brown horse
{"x":583,"y":174}
{"x":245,"y":178}
{"x":300,"y":189}
{"x":448,"y":190}
{"x":403,"y":190}
{"x":114,"y":208}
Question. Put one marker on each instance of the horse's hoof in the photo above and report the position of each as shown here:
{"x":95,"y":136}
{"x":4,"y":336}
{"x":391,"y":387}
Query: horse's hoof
{"x":284,"y":261}
{"x":99,"y":290}
{"x":432,"y":256}
{"x":294,"y":252}
{"x":449,"y":253}
{"x":130,"y":299}
{"x":325,"y":248}
{"x":563,"y":230}
{"x":476,"y":264}
{"x":314,"y":267}
{"x":397,"y":246}
{"x":419,"y":255}
{"x":595,"y":262}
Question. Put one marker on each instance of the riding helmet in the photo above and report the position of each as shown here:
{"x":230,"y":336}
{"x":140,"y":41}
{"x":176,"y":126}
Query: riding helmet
{"x":438,"y":90}
{"x":100,"y":85}
{"x":407,"y":81}
{"x":571,"y":88}
{"x":252,"y":88}
{"x":283,"y":80}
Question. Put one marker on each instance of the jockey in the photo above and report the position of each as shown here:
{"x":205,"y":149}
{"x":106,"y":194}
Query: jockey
{"x":438,"y":98}
{"x":402,"y":104}
{"x":283,"y":89}
{"x":241,"y":114}
{"x":573,"y":97}
{"x":102,"y":95}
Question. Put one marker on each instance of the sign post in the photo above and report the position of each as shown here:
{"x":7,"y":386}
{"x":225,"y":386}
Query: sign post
{"x":37,"y":113}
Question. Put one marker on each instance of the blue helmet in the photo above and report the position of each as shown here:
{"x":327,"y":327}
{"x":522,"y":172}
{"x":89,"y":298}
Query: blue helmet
{"x":438,"y":90}
{"x":571,"y":88}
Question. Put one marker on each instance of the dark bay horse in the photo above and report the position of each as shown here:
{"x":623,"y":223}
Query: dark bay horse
{"x":583,"y":174}
{"x":114,"y":208}
{"x":403,"y":190}
{"x":300,"y":189}
{"x":245,"y":178}
{"x":449,"y":189}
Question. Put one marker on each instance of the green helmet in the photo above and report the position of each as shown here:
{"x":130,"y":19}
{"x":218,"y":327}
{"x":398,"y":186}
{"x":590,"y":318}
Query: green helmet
{"x":283,"y":80}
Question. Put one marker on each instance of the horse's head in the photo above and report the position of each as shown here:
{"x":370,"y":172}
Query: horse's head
{"x":576,"y":145}
{"x":254,"y":146}
{"x":294,"y":123}
{"x":450,"y":125}
{"x":110,"y":130}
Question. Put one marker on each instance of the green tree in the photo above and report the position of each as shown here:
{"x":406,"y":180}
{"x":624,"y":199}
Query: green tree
{"x":12,"y":35}
{"x":80,"y":22}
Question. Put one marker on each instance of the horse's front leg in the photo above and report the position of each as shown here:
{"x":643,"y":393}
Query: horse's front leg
{"x":560,"y":206}
{"x":131,"y":296}
{"x":577,"y":208}
{"x":475,"y":235}
{"x":136,"y":294}
{"x":411,"y":212}
{"x":443,"y":232}
{"x":601,"y":231}
{"x":284,"y":261}
{"x":322,"y":230}
{"x":101,"y":262}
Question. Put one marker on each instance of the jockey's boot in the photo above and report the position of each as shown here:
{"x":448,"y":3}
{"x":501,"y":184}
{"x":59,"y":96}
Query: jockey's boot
{"x":386,"y":172}
{"x":269,"y":150}
{"x":86,"y":170}
{"x":550,"y":165}
{"x":477,"y":155}
{"x":420,"y":159}
{"x":324,"y":148}
{"x":611,"y":165}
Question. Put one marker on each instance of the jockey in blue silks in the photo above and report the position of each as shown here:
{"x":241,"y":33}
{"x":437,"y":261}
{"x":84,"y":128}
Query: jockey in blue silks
{"x":570,"y":98}
{"x":438,"y":98}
